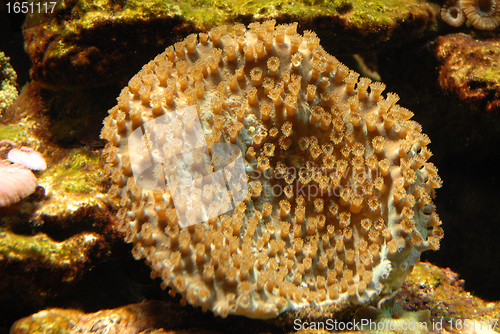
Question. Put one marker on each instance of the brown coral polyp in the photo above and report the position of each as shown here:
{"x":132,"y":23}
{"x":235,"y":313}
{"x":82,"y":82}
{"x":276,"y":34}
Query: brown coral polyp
{"x":334,"y":212}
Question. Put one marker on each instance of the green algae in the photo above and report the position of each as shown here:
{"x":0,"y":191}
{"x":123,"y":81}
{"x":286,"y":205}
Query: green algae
{"x":83,"y":159}
{"x":74,"y":16}
{"x":15,"y":133}
{"x":426,"y":275}
{"x":488,"y":74}
{"x":68,"y":53}
{"x":484,"y":67}
{"x":38,"y":247}
{"x":8,"y":85}
{"x":75,"y":183}
{"x":23,"y":134}
{"x":79,"y":172}
{"x":357,"y":12}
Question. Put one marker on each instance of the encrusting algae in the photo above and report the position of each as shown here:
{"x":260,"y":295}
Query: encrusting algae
{"x":8,"y":85}
{"x":339,"y":202}
{"x":483,"y":14}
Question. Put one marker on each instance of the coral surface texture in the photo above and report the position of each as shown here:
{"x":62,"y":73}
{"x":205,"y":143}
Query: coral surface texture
{"x":330,"y":188}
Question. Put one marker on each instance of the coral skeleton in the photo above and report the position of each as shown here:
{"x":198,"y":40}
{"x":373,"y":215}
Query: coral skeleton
{"x":339,"y":202}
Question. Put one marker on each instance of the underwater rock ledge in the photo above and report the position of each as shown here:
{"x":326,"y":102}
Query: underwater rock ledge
{"x":427,"y":287}
{"x":94,"y":44}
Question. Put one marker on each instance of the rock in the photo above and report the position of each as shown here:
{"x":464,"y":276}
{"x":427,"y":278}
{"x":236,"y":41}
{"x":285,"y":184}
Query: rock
{"x":469,"y":68}
{"x":90,"y":50}
{"x":427,"y":288}
{"x":96,"y":44}
{"x":8,"y":85}
{"x":146,"y":317}
{"x":51,"y":239}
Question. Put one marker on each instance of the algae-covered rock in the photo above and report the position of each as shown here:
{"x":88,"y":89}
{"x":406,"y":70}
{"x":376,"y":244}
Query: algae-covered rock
{"x":92,"y":44}
{"x":51,"y":239}
{"x":470,"y":68}
{"x":37,"y":267}
{"x":146,"y":317}
{"x":8,"y":85}
{"x":89,"y":50}
{"x":72,"y":182}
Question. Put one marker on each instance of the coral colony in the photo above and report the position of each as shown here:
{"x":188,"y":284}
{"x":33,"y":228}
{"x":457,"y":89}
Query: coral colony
{"x":17,"y":181}
{"x":339,"y":200}
{"x":8,"y":86}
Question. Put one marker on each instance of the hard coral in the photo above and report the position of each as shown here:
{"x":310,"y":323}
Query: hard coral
{"x":39,"y":268}
{"x":483,"y":14}
{"x":340,"y":203}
